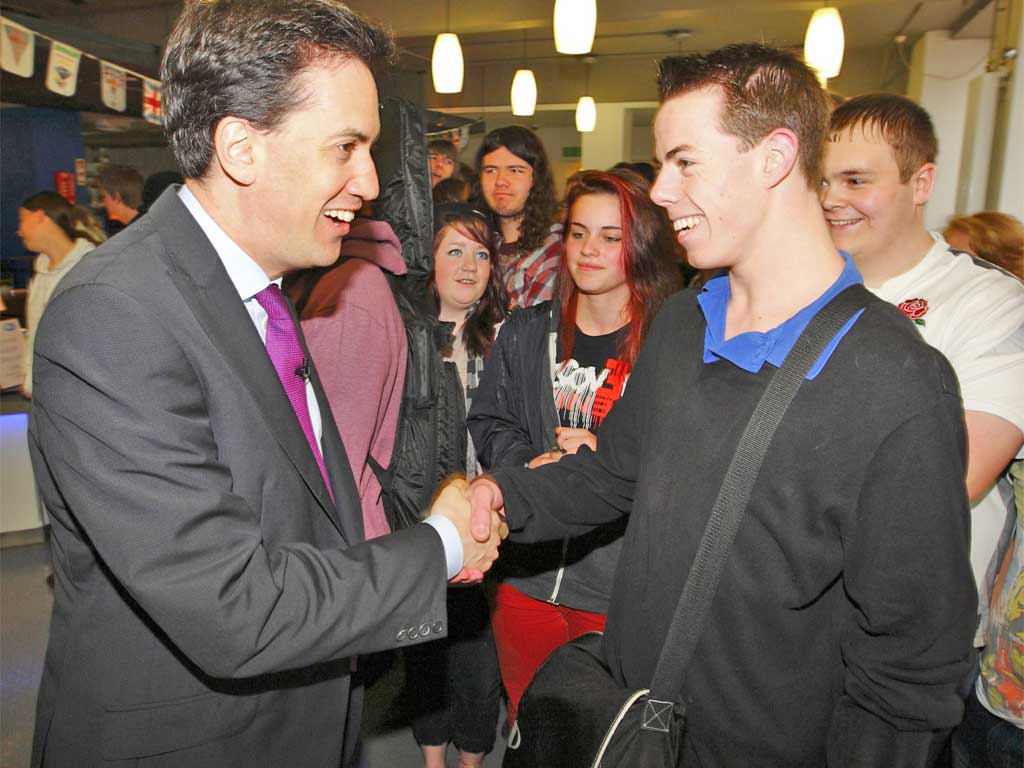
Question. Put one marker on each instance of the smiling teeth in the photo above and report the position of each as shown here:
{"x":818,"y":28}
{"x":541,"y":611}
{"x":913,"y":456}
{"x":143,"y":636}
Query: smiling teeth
{"x":842,"y":222}
{"x":687,"y":222}
{"x":340,"y":215}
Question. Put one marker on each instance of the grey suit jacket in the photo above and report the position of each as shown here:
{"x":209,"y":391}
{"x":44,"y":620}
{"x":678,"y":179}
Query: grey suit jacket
{"x":208,"y":594}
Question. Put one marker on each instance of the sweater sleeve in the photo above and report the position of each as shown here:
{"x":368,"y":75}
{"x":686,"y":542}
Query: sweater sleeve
{"x":909,"y":647}
{"x":586,"y":489}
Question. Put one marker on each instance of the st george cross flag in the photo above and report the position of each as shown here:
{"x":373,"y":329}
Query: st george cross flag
{"x":112,"y":85}
{"x":17,"y":49}
{"x":152,"y":109}
{"x":62,"y":70}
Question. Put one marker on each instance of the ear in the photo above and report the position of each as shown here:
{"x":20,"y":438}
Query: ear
{"x":235,"y":146}
{"x":779,"y":153}
{"x":923,"y":181}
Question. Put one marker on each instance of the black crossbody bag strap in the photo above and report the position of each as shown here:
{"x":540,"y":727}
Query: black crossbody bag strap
{"x":734,"y":495}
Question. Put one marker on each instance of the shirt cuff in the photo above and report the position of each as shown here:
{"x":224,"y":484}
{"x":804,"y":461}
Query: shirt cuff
{"x":451,"y":540}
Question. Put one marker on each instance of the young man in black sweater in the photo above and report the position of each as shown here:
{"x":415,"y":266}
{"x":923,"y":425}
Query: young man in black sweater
{"x":842,"y":623}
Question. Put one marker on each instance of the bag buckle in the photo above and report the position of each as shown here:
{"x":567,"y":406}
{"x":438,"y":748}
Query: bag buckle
{"x":656,"y":716}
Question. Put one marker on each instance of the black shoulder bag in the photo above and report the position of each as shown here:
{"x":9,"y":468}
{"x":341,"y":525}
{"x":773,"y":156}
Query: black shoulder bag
{"x":574,"y":713}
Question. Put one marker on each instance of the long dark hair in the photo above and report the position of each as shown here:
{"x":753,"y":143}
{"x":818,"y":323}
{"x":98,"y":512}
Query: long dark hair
{"x":648,"y":257}
{"x":63,"y":214}
{"x":541,"y":205}
{"x":478,"y":331}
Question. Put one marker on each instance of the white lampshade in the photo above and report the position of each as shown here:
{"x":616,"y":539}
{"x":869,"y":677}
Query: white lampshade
{"x":575,"y":22}
{"x":586,"y":114}
{"x":524,"y":93}
{"x":824,"y":42}
{"x":446,"y":63}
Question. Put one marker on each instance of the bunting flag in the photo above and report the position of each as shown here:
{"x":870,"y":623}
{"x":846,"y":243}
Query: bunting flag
{"x":113,"y":85}
{"x":152,"y":108}
{"x":62,"y":70}
{"x":17,"y":49}
{"x":458,"y":136}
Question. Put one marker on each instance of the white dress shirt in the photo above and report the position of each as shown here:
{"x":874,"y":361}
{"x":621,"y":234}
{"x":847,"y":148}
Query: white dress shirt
{"x":249,"y":279}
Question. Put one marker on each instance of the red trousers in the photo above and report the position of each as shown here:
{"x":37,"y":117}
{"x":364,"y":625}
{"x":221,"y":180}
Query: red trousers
{"x":526,"y":631}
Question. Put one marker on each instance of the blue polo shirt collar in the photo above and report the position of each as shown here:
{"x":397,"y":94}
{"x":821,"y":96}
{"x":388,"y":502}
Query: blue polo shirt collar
{"x":751,"y":350}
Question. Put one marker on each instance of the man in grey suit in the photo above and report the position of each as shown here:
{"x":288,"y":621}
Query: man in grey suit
{"x":213,"y":587}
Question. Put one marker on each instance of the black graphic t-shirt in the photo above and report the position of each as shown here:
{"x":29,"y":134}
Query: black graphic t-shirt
{"x":588,"y":384}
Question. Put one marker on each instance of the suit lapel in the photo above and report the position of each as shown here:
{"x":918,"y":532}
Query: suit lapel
{"x":204,"y":283}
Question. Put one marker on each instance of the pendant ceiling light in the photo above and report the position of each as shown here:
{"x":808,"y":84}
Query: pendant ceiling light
{"x":524,"y":93}
{"x":824,"y":42}
{"x":575,"y":23}
{"x":586,"y":114}
{"x":524,"y":88}
{"x":586,"y":109}
{"x":446,"y":64}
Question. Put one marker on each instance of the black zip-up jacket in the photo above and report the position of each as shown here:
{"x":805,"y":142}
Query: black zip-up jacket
{"x":513,"y":420}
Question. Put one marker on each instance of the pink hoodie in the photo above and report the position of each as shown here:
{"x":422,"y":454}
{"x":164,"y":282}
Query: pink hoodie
{"x":356,"y":337}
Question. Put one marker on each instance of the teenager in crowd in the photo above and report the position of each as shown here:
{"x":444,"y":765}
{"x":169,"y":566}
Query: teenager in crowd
{"x":443,"y":157}
{"x":879,"y":174}
{"x":518,"y":194}
{"x":457,"y":690}
{"x":47,"y":225}
{"x":841,"y":626}
{"x":555,"y":373}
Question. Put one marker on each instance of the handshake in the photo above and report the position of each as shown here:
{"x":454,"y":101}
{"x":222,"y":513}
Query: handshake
{"x":474,"y":510}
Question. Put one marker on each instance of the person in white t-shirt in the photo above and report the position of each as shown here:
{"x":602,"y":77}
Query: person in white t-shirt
{"x":879,"y":174}
{"x":46,"y":225}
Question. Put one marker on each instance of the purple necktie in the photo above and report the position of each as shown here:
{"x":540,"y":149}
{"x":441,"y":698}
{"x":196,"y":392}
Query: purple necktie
{"x":290,"y":363}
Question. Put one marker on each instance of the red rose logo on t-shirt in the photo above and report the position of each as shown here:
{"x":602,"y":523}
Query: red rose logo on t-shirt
{"x":915,"y":309}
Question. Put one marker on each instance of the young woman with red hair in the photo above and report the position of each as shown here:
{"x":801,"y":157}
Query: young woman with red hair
{"x":554,"y":373}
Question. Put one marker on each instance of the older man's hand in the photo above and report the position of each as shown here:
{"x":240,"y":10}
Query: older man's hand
{"x":480,"y":540}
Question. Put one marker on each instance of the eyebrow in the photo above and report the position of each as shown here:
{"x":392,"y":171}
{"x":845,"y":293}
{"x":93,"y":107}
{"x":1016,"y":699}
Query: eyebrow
{"x":510,"y":165}
{"x":677,"y":149}
{"x":856,"y":172}
{"x":351,"y":133}
{"x":583,"y":226}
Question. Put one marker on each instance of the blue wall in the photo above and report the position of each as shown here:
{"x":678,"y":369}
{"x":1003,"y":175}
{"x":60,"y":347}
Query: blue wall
{"x":34,"y":144}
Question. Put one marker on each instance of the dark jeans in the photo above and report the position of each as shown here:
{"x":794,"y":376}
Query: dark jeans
{"x":454,"y":682}
{"x":985,"y":741}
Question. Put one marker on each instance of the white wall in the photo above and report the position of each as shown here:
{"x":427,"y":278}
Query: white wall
{"x":940,"y":71}
{"x":1006,"y":190}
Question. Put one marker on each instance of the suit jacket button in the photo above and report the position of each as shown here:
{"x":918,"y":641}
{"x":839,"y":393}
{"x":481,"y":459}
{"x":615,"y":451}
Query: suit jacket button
{"x":402,"y":636}
{"x":438,"y":626}
{"x":424,"y":630}
{"x":413,"y":633}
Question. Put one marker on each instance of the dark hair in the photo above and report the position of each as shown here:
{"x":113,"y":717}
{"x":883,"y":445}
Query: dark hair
{"x":478,"y":331}
{"x":243,"y":58}
{"x":57,"y":209}
{"x":123,"y":181}
{"x":648,"y":256}
{"x":904,"y":125}
{"x":541,"y":205}
{"x":763,"y":89}
{"x":444,"y":147}
{"x":644,"y":170}
{"x":450,"y":190}
{"x":156,"y":183}
{"x":74,"y":221}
